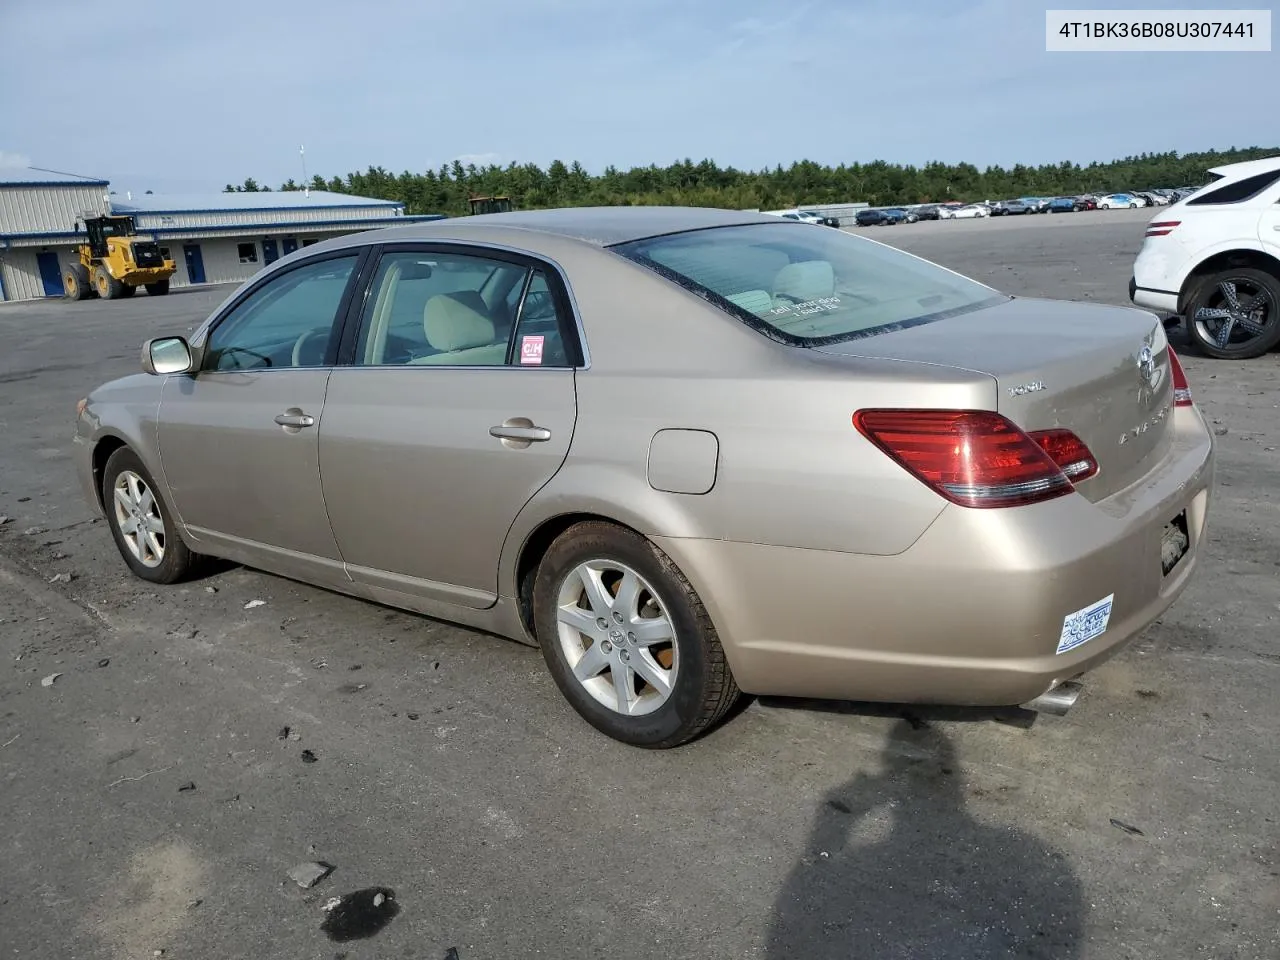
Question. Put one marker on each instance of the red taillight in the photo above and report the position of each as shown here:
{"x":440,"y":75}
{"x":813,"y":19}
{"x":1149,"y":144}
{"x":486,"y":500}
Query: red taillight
{"x":1161,"y":228}
{"x":1181,"y":389}
{"x":974,"y":458}
{"x":1068,"y":451}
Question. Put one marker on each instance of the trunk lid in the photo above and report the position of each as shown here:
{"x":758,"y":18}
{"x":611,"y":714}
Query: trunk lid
{"x":1085,"y":367}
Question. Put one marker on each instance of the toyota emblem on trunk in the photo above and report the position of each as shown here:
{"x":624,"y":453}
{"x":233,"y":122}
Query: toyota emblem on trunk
{"x":1147,"y":366}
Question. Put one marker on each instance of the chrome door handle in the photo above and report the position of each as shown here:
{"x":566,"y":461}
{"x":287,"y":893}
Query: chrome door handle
{"x":527,"y":434}
{"x":295,"y":420}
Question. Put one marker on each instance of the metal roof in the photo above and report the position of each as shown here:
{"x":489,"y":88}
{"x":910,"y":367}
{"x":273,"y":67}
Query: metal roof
{"x":602,"y":226}
{"x":223,"y":202}
{"x":38,"y":176}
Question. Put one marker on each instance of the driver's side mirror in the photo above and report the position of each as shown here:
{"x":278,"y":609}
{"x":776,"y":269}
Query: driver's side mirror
{"x":165,"y":355}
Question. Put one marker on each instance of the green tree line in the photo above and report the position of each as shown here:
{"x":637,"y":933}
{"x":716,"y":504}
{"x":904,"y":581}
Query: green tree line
{"x":706,"y":184}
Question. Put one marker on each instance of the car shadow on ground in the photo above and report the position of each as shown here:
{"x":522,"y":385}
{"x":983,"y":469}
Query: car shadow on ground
{"x":917,"y":716}
{"x":895,"y":867}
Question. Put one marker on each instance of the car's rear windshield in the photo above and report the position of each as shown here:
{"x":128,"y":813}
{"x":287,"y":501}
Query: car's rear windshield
{"x":809,"y":287}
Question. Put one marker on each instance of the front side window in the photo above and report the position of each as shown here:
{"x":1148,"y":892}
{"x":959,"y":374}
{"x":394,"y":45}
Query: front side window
{"x":809,"y":287}
{"x":460,"y":310}
{"x":286,"y":322}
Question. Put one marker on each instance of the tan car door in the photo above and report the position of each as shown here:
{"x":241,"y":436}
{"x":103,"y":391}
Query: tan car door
{"x":238,"y":440}
{"x":459,"y":404}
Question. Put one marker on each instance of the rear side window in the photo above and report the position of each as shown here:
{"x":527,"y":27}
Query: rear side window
{"x":460,"y":310}
{"x":539,"y":336}
{"x":808,"y":287}
{"x":1241,"y":190}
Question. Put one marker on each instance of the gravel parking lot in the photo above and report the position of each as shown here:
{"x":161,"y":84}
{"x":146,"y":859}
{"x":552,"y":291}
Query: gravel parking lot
{"x":152,"y":799}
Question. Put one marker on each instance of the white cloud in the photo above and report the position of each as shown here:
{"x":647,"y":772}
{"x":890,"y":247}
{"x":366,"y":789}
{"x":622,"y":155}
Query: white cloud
{"x":10,"y":159}
{"x":479,"y":159}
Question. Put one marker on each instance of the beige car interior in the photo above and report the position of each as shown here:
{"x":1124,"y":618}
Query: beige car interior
{"x":459,"y":326}
{"x":798,"y":282}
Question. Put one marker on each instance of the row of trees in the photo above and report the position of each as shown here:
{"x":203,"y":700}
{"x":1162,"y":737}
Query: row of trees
{"x":707,"y":184}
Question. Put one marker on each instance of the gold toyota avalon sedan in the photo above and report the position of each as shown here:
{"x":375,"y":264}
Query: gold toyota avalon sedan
{"x":688,"y":453}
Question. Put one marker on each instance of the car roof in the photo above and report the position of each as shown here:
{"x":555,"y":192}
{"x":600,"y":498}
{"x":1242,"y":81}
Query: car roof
{"x":600,"y":226}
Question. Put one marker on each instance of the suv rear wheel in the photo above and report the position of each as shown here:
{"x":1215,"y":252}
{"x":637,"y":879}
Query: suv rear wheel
{"x":1234,"y":314}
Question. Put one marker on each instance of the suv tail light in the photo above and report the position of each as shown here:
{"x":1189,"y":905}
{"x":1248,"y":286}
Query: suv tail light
{"x":1181,"y":389}
{"x":978,"y":458}
{"x":1161,"y":228}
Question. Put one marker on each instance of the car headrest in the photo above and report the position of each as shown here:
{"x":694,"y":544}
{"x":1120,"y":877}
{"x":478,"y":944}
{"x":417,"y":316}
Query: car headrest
{"x":457,"y":321}
{"x":415,"y":270}
{"x":807,"y":280}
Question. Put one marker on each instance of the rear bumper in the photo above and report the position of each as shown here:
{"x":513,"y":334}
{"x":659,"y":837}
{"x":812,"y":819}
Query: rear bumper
{"x":1159,"y":271}
{"x":1163,"y":300}
{"x":973,"y":612}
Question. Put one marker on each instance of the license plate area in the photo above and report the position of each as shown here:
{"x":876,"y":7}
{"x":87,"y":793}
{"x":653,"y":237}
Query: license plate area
{"x":1174,"y":543}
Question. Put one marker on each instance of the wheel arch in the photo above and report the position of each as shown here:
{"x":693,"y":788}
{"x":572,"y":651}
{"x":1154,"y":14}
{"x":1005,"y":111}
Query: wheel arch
{"x":534,"y":546}
{"x":1225,"y":260}
{"x":103,"y":448}
{"x":105,"y":443}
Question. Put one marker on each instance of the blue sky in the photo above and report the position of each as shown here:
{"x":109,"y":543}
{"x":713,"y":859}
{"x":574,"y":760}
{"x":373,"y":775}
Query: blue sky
{"x":229,"y":89}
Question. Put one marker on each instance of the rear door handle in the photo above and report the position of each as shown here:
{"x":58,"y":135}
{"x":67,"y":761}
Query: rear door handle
{"x":527,"y":434}
{"x":295,"y":420}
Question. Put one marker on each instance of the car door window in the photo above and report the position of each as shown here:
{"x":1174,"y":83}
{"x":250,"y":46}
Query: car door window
{"x":286,"y":322}
{"x":429,"y":308}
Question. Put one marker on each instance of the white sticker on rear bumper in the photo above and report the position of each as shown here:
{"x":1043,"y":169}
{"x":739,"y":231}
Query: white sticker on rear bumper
{"x":1083,"y":625}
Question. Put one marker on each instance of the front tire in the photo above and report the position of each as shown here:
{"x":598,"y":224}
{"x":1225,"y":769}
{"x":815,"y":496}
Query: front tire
{"x":108,"y":287}
{"x":159,"y":288}
{"x":127,"y":291}
{"x":141,"y":523}
{"x":1235,"y":314}
{"x":627,"y":640}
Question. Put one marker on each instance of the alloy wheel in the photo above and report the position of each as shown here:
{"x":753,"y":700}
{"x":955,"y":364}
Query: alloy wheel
{"x":137,"y":514}
{"x":617,"y":637}
{"x":1236,"y":313}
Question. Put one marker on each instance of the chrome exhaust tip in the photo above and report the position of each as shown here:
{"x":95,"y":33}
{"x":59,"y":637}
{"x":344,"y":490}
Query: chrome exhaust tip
{"x":1057,"y":700}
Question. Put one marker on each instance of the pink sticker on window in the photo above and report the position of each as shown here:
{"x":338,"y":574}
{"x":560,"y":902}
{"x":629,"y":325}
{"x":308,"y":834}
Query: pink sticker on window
{"x":531,"y":349}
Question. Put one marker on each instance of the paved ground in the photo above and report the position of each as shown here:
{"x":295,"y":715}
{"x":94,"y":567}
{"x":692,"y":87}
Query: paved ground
{"x":449,"y":770}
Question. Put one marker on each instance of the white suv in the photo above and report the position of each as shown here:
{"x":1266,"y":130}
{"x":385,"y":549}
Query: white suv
{"x":1214,"y":259}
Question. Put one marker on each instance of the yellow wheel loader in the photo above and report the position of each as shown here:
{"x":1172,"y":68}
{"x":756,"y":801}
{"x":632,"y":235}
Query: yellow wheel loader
{"x":115,"y":262}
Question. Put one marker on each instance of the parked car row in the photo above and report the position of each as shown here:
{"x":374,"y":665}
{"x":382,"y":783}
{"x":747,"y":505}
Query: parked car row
{"x":805,"y":216}
{"x":955,"y":210}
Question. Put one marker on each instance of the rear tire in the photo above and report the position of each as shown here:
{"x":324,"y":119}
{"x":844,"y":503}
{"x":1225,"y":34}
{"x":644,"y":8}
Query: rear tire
{"x":127,"y":291}
{"x":159,"y":288}
{"x":107,"y":286}
{"x":1256,"y":312}
{"x":141,"y":523}
{"x":695,"y":686}
{"x":75,"y":282}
